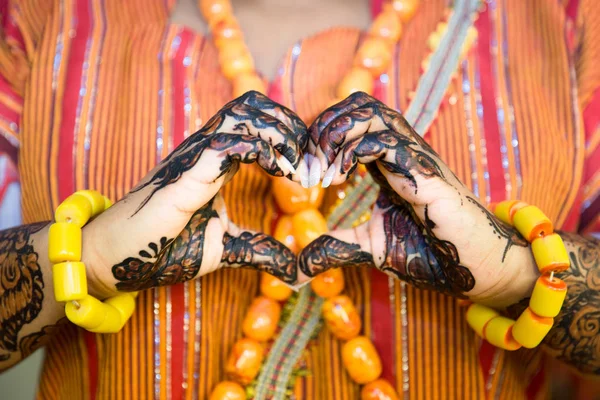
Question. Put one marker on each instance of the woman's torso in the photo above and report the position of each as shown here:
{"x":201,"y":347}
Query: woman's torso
{"x":114,"y":88}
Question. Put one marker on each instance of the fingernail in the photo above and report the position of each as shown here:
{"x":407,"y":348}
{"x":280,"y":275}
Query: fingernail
{"x":328,"y":178}
{"x":315,"y":172}
{"x":287,"y":164}
{"x":303,"y":172}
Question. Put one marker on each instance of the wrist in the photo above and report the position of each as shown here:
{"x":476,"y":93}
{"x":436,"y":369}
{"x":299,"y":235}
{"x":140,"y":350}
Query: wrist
{"x":517,"y":282}
{"x":100,"y":284}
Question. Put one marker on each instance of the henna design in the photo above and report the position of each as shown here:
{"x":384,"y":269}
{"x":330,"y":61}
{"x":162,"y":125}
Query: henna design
{"x":176,"y":260}
{"x":251,"y":249}
{"x":249,"y":111}
{"x":30,"y":343}
{"x":328,"y":252}
{"x":575,"y":337}
{"x":501,"y":230}
{"x":21,"y":283}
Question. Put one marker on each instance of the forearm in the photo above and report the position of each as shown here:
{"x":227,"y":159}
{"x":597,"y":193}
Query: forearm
{"x":29,"y":314}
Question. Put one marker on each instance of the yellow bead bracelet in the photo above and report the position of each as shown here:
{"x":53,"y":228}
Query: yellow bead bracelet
{"x":69,"y":276}
{"x":548,"y":294}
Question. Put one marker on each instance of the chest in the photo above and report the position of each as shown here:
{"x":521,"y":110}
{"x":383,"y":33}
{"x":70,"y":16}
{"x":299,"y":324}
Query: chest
{"x":109,"y":104}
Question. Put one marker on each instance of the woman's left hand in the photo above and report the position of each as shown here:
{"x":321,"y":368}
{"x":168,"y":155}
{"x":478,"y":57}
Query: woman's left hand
{"x":426,"y":227}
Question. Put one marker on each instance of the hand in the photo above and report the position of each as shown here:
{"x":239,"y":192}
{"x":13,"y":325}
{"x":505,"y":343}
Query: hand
{"x":426,"y":227}
{"x":173,"y":225}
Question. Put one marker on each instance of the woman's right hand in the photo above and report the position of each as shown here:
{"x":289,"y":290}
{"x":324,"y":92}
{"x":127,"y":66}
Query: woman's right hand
{"x":173,"y":225}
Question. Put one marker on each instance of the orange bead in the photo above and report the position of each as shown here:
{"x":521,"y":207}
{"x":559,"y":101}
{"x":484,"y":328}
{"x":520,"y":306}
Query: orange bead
{"x":356,"y":80}
{"x":341,"y":317}
{"x":308,"y":225}
{"x":245,"y":361}
{"x":247,"y":82}
{"x":261,"y":319}
{"x":228,"y":390}
{"x":291,"y":197}
{"x":215,"y":10}
{"x":235,"y":59}
{"x":274,"y":288}
{"x":284,"y":232}
{"x":405,"y":9}
{"x":374,"y":55}
{"x":361,"y":360}
{"x":225,"y":31}
{"x":378,"y":390}
{"x":387,"y":26}
{"x":328,"y":284}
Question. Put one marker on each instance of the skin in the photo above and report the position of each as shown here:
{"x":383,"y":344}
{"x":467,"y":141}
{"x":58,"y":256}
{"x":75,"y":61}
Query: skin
{"x":171,"y":227}
{"x":429,"y":230}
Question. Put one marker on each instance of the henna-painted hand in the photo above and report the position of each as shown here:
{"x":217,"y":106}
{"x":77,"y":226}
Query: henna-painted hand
{"x":173,"y":226}
{"x":426,"y":227}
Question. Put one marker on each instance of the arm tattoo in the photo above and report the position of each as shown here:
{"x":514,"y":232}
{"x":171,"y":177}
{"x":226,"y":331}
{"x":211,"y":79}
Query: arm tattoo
{"x":575,"y":337}
{"x":21,"y":283}
{"x":30,"y":343}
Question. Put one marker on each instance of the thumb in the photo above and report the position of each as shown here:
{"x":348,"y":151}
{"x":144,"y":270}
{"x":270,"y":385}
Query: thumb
{"x":260,"y":251}
{"x":341,"y":248}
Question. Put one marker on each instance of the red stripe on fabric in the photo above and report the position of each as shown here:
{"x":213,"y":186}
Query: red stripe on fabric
{"x":376,"y":6}
{"x":178,"y":71}
{"x":591,"y":122}
{"x":574,"y":215}
{"x":536,"y":383}
{"x":490,"y":123}
{"x":592,"y":165}
{"x":11,"y":151}
{"x":8,"y":114}
{"x":92,"y":357}
{"x":382,"y":320}
{"x":486,"y":357}
{"x":571,"y":9}
{"x":177,"y":315}
{"x":7,"y":89}
{"x":66,"y":165}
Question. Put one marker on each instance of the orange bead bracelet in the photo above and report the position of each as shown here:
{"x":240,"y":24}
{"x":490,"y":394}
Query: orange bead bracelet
{"x":68,"y":272}
{"x":548,"y":294}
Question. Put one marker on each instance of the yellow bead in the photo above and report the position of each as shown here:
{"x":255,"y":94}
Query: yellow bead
{"x":550,"y":253}
{"x":308,"y":225}
{"x":356,"y":80}
{"x":76,"y":209}
{"x":91,"y":314}
{"x":96,"y":200}
{"x":107,"y":203}
{"x":247,"y":82}
{"x":478,"y":316}
{"x":502,"y":210}
{"x":530,"y":329}
{"x":498,"y":332}
{"x":532,"y":223}
{"x":70,"y":281}
{"x":361,"y":360}
{"x":112,"y":323}
{"x":374,"y":55}
{"x":64,"y":242}
{"x":124,"y":303}
{"x":235,"y":59}
{"x":548,"y":296}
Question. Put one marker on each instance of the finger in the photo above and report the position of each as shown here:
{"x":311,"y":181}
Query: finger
{"x":288,"y":117}
{"x":352,"y":102}
{"x":242,"y":119}
{"x":342,"y":248}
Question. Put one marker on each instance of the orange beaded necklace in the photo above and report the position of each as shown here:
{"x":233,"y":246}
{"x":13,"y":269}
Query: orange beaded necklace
{"x":303,"y":222}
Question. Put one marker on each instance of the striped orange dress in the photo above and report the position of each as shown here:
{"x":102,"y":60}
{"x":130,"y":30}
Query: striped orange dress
{"x":94,"y":93}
